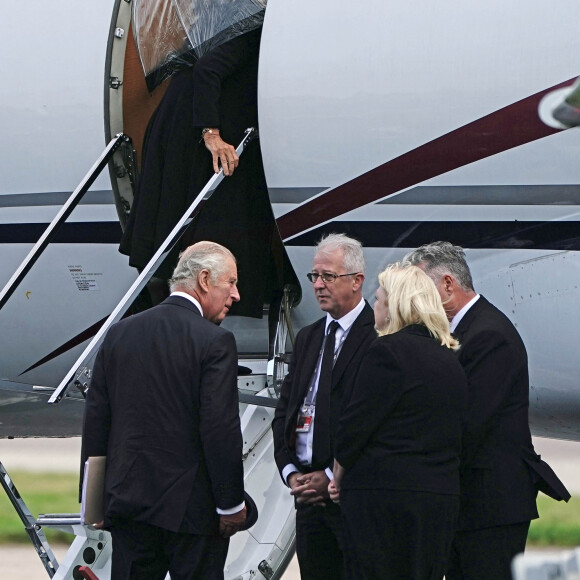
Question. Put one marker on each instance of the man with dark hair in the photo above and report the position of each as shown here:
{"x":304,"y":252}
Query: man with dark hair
{"x":163,"y":408}
{"x":319,"y":382}
{"x":500,"y":472}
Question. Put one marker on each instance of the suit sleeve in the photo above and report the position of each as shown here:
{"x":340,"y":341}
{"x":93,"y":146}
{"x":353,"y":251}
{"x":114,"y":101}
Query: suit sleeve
{"x":212,"y":69}
{"x":221,"y":435}
{"x":97,"y":414}
{"x":377,"y":390}
{"x":493,"y":365}
{"x":282,"y":454}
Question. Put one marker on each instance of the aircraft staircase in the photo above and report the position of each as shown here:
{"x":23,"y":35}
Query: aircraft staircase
{"x":259,"y":388}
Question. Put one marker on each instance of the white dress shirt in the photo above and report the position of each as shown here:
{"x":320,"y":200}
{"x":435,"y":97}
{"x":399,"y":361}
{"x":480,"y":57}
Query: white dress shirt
{"x":188,"y":297}
{"x":304,"y":440}
{"x":457,"y":318}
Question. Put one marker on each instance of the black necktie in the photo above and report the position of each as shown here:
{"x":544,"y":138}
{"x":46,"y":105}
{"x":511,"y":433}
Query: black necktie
{"x":321,"y":444}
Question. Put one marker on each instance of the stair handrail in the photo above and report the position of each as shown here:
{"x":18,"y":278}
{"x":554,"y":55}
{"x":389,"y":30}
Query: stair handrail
{"x":79,"y":367}
{"x":64,"y":212}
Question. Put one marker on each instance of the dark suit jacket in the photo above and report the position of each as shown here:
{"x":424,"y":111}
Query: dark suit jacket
{"x":163,"y":408}
{"x":302,"y":366}
{"x":500,"y":472}
{"x":402,"y":429}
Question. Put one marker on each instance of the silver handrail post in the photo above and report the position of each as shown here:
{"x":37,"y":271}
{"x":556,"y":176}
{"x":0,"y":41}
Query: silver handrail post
{"x":146,"y":273}
{"x":61,"y":217}
{"x":33,"y":529}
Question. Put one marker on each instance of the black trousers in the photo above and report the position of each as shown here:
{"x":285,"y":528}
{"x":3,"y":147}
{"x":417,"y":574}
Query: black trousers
{"x":397,"y":535}
{"x":144,"y":552}
{"x":486,"y":553}
{"x":320,"y":542}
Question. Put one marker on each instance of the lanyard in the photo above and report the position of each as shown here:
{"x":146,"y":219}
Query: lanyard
{"x":311,"y":394}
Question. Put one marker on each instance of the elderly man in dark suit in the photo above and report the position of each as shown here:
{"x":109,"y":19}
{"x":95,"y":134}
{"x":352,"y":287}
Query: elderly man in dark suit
{"x":163,"y":408}
{"x":319,"y":382}
{"x":500,"y":473}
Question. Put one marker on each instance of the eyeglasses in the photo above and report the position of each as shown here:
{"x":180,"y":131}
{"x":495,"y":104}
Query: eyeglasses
{"x":327,"y":277}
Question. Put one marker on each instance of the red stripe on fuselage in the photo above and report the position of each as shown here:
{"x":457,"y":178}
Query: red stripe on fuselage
{"x":499,"y":131}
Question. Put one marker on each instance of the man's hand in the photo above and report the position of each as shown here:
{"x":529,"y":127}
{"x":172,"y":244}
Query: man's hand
{"x":333,"y":491}
{"x":309,"y":488}
{"x":293,"y":480}
{"x":222,"y":153}
{"x":231,"y":524}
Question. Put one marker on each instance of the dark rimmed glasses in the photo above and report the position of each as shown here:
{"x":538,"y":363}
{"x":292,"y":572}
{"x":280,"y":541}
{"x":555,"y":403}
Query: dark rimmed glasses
{"x":327,"y":277}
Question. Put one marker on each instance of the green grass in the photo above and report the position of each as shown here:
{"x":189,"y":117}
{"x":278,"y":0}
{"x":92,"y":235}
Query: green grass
{"x":42,"y":493}
{"x":558,"y":525}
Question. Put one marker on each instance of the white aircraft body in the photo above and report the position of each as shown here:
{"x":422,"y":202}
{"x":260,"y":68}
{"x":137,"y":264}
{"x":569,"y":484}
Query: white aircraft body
{"x":432,"y":121}
{"x":398,"y":123}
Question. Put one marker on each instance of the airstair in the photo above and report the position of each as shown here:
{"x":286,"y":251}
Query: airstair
{"x":261,"y":552}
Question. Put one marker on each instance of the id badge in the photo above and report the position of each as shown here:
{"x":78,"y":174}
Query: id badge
{"x":304,"y":420}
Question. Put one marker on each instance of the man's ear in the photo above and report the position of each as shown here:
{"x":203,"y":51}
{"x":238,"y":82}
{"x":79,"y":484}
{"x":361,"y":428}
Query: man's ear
{"x":203,"y":281}
{"x":448,"y":283}
{"x":357,"y":281}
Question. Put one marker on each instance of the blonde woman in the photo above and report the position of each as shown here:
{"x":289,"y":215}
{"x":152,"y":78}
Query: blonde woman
{"x":398,"y":441}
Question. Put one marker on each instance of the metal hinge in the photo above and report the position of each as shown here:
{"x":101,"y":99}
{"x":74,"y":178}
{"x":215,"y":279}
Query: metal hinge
{"x":115,"y":82}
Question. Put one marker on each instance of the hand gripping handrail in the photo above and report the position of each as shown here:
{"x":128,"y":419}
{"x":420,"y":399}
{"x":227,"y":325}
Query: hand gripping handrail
{"x":146,"y":274}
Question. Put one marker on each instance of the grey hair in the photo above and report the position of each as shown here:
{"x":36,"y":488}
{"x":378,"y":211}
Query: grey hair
{"x":353,"y":261}
{"x":440,"y":258}
{"x":201,"y":256}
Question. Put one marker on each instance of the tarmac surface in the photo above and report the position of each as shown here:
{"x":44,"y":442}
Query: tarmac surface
{"x":20,"y":562}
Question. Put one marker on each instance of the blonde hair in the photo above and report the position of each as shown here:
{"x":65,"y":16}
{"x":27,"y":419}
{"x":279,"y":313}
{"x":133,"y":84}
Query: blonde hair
{"x":412,"y":298}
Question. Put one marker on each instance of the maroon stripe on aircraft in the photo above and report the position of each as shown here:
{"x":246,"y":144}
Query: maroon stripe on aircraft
{"x":86,"y":334}
{"x":504,"y":129}
{"x":75,"y":341}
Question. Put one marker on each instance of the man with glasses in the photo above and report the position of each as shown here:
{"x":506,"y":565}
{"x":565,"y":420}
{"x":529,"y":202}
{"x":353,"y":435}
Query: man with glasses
{"x":320,"y":378}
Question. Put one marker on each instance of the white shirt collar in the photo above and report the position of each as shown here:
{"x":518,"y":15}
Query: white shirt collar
{"x":188,"y":297}
{"x":348,"y":319}
{"x":457,"y":318}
